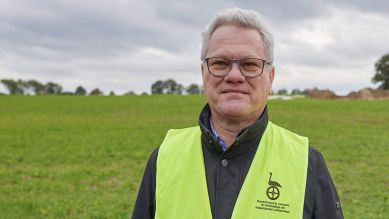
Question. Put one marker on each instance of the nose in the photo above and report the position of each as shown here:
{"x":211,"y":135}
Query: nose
{"x":235,"y":75}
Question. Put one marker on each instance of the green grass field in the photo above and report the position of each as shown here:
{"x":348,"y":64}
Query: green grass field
{"x":83,"y":157}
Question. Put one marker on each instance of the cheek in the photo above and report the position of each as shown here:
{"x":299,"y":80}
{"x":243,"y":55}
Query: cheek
{"x":261,"y":90}
{"x":206,"y":84}
{"x":266,"y":84}
{"x":261,"y":85}
{"x":211,"y":84}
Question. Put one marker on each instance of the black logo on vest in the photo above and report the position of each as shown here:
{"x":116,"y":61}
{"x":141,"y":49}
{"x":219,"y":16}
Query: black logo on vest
{"x":273,"y":192}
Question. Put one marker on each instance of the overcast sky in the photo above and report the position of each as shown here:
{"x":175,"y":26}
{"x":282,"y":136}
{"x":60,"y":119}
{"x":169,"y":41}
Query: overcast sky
{"x":127,"y":45}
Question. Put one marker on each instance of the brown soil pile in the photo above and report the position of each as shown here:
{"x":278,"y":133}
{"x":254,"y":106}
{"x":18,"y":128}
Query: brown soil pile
{"x":322,"y":94}
{"x":366,"y":93}
{"x":369,"y":94}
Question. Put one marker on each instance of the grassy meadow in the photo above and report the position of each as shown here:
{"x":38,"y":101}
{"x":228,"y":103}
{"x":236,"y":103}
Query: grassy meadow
{"x":83,"y":157}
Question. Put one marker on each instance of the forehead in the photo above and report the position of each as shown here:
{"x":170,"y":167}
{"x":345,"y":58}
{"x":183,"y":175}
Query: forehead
{"x":235,"y":42}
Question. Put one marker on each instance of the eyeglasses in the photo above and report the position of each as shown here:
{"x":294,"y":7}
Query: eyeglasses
{"x":250,"y":67}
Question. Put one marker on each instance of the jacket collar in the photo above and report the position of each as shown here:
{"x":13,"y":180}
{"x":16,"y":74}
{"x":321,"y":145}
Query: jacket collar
{"x":247,"y":138}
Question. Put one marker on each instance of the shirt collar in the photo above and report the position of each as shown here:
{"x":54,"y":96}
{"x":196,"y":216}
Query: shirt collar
{"x":248,"y":137}
{"x":215,"y":134}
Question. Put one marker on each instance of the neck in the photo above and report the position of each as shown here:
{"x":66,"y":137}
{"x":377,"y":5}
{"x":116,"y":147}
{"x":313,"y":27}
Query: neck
{"x":229,"y":129}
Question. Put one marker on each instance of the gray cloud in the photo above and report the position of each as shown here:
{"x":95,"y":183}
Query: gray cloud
{"x":127,"y":45}
{"x":374,"y":6}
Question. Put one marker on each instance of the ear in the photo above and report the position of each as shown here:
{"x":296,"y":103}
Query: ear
{"x":202,"y":69}
{"x":272,"y":74}
{"x":271,"y":78}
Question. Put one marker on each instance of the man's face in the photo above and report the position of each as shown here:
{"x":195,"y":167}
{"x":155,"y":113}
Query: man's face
{"x":235,"y":96}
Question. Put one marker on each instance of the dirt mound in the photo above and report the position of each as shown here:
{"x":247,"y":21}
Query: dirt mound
{"x":366,"y":93}
{"x":369,"y":94}
{"x":322,"y":94}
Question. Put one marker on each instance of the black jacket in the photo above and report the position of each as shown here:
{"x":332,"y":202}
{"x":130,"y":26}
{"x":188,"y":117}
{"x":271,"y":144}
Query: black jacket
{"x":225,"y":179}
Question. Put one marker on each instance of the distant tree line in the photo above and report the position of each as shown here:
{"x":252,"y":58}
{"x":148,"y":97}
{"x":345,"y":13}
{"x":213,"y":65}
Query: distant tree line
{"x":34,"y":87}
{"x":21,"y":87}
{"x":170,"y":86}
{"x":294,"y":91}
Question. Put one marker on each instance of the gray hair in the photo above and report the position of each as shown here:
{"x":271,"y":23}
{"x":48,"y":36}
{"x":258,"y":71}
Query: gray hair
{"x":244,"y":18}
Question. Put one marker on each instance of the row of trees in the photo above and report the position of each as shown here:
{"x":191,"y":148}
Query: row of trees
{"x":34,"y":87}
{"x":22,"y":87}
{"x":295,"y":91}
{"x":170,"y":86}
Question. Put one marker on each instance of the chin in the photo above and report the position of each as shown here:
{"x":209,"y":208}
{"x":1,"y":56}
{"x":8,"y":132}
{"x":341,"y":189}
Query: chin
{"x":234,"y":110}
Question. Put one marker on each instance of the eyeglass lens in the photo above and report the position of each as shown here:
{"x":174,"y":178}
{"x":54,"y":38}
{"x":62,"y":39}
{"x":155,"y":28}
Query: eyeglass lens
{"x":249,"y":67}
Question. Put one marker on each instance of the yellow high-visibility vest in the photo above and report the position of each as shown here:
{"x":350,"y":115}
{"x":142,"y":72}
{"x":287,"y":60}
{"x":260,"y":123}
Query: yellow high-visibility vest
{"x":274,"y":187}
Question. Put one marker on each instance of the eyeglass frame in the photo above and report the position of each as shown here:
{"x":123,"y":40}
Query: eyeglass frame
{"x":237,"y":61}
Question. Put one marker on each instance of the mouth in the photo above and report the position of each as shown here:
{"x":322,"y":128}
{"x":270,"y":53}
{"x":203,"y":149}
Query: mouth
{"x":234,"y":91}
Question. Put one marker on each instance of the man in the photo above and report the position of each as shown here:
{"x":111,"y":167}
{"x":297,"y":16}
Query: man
{"x":236,"y":164}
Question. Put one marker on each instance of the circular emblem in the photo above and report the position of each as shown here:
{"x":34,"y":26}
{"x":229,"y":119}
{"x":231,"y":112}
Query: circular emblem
{"x":273,"y":192}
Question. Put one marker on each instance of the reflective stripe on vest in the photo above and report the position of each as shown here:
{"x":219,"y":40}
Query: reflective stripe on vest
{"x":273,"y":188}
